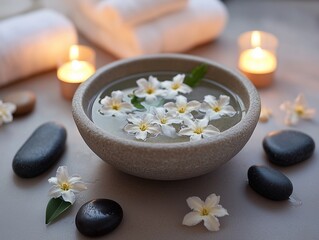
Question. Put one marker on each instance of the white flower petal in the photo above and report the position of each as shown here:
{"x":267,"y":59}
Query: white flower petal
{"x":211,"y":223}
{"x":117,"y":95}
{"x":192,"y":218}
{"x":212,"y":115}
{"x":196,"y":137}
{"x":219,"y":211}
{"x":195,"y":203}
{"x":309,"y":113}
{"x":169,"y":131}
{"x":53,"y":180}
{"x":130,"y":128}
{"x":186,"y":132}
{"x":210,"y":99}
{"x":185,"y":88}
{"x":202,"y":122}
{"x":62,"y":174}
{"x":228,"y":110}
{"x":78,"y":187}
{"x":223,"y":100}
{"x":68,"y":196}
{"x":212,"y":200}
{"x":141,"y":135}
{"x":155,"y":130}
{"x":55,"y":192}
{"x":142,"y":83}
{"x":193,"y":105}
{"x":210,"y":130}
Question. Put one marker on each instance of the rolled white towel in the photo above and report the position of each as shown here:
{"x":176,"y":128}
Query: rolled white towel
{"x":134,"y":12}
{"x":33,"y":43}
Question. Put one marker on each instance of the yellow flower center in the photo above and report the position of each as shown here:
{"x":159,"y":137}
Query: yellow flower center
{"x":204,"y":212}
{"x":65,"y":186}
{"x":150,"y":90}
{"x":182,"y":109}
{"x":216,"y":109}
{"x":116,"y":107}
{"x":143,"y":127}
{"x":198,"y":130}
{"x":163,"y":121}
{"x":175,"y":86}
{"x":299,"y":110}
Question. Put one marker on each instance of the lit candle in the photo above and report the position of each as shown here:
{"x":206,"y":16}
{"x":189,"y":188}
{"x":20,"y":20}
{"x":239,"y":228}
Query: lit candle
{"x":256,"y":61}
{"x":78,"y":68}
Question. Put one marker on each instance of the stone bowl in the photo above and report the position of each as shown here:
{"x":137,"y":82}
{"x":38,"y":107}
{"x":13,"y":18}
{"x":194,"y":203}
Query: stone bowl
{"x":165,"y":161}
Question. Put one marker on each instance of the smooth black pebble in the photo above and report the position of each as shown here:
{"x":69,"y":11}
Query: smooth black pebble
{"x":288,"y":147}
{"x":98,"y":217}
{"x":269,"y":183}
{"x":40,"y":151}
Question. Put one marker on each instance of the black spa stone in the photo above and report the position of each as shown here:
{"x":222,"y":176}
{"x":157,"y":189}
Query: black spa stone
{"x":43,"y":148}
{"x":98,"y":217}
{"x":269,"y":183}
{"x":288,"y":147}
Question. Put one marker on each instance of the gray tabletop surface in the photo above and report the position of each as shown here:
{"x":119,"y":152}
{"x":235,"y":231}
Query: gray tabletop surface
{"x":155,"y":209}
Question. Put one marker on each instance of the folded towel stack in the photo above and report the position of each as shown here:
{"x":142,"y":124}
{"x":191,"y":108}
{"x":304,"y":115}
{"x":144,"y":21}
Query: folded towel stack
{"x":33,"y":43}
{"x":128,"y":28}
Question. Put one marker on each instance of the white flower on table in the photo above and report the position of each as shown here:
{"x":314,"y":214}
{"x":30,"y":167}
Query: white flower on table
{"x":6,"y":111}
{"x":176,"y":86}
{"x":265,"y":114}
{"x":142,"y":126}
{"x":165,"y":120}
{"x":181,"y":107}
{"x":198,"y":129}
{"x":114,"y":105}
{"x":216,"y":108}
{"x":207,"y":211}
{"x":149,"y":90}
{"x":65,"y":186}
{"x":297,"y":110}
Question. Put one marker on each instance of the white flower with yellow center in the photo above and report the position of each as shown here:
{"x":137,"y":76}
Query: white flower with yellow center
{"x":65,"y":186}
{"x":207,"y":211}
{"x":198,"y":129}
{"x":165,"y":120}
{"x":114,"y":105}
{"x":142,"y":126}
{"x":181,"y":107}
{"x":149,"y":90}
{"x":6,"y":111}
{"x":297,"y":110}
{"x":176,"y":86}
{"x":216,"y":108}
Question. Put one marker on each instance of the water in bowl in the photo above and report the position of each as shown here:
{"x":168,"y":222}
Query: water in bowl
{"x":114,"y":125}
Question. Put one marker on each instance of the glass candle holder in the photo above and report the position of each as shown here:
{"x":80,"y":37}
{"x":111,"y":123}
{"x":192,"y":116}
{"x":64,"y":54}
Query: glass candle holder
{"x":257,"y":57}
{"x":75,"y":68}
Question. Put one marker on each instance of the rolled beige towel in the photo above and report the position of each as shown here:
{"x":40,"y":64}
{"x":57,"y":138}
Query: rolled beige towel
{"x":134,"y":12}
{"x":33,"y":43}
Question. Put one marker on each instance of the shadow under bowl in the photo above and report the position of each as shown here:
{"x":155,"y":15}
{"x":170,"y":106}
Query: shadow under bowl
{"x":165,"y":161}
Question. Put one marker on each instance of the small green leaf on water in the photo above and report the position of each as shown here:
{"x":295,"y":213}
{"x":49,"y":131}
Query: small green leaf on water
{"x":55,"y":207}
{"x":136,"y":101}
{"x":196,"y":75}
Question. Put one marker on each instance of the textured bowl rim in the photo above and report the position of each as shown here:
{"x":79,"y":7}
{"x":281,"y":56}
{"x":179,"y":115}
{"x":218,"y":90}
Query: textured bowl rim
{"x":250,"y":116}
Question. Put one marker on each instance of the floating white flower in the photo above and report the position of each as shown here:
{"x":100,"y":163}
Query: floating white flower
{"x":165,"y":120}
{"x":114,"y":105}
{"x":297,"y":110}
{"x":181,"y":107}
{"x":207,"y":211}
{"x":141,"y":126}
{"x":65,"y":186}
{"x":6,"y":111}
{"x":149,"y":90}
{"x":176,"y":86}
{"x":198,"y":129}
{"x":216,"y":108}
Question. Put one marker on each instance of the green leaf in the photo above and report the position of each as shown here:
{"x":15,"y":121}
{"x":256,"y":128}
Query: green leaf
{"x":55,"y":207}
{"x":197,"y":74}
{"x":136,"y":101}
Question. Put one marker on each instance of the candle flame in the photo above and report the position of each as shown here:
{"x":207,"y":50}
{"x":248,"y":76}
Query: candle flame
{"x":74,"y":52}
{"x":255,"y":39}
